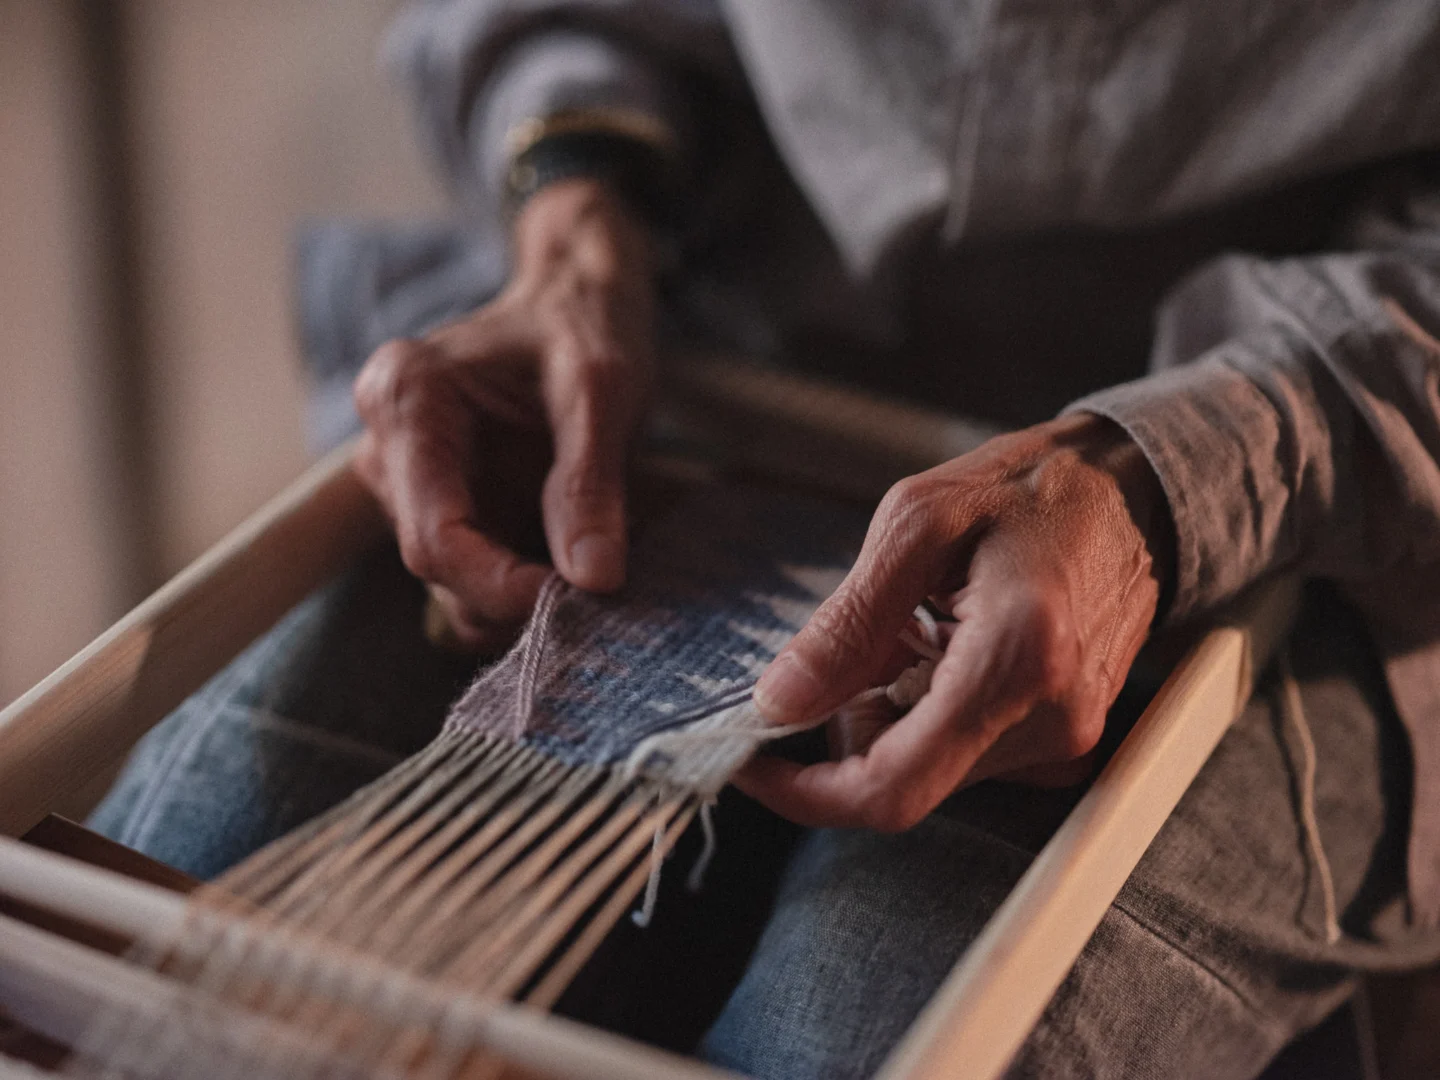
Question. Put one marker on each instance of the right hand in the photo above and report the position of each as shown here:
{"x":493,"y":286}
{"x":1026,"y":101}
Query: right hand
{"x":519,"y":416}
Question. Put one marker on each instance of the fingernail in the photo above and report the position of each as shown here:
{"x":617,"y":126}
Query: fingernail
{"x":788,"y":690}
{"x":597,"y":561}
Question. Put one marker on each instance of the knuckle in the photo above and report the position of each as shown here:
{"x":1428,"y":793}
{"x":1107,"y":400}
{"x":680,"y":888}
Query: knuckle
{"x":877,"y":814}
{"x":597,"y":393}
{"x":368,"y":464}
{"x":603,"y":379}
{"x":593,"y":358}
{"x":588,"y":480}
{"x":842,"y":629}
{"x":393,"y":373}
{"x":421,"y":553}
{"x":908,"y":815}
{"x":588,"y":485}
{"x":497,"y":582}
{"x":1046,"y":622}
{"x":417,"y":560}
{"x":908,"y":502}
{"x":912,"y":517}
{"x":604,"y":366}
{"x":1054,"y":672}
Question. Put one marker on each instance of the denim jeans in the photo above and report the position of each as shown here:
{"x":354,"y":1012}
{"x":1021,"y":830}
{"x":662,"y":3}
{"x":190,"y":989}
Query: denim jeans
{"x":808,"y":953}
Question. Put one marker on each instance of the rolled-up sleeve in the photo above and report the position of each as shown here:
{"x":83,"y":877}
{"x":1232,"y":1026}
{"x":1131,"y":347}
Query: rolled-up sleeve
{"x":556,"y":71}
{"x":1293,"y":418}
{"x":476,"y":68}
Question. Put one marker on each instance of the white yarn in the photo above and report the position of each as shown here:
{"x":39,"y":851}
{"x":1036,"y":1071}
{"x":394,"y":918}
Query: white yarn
{"x":703,"y":756}
{"x":929,"y":628}
{"x":922,"y":648}
{"x":911,"y":685}
{"x":696,"y":881}
{"x":642,"y":917}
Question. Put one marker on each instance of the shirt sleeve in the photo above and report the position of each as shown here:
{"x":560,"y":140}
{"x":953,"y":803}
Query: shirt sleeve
{"x":476,"y":68}
{"x":1294,"y":414}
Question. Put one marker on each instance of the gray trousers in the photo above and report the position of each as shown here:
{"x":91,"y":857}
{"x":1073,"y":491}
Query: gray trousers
{"x":809,"y":953}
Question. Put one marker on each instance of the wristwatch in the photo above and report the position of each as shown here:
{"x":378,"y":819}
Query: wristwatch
{"x":631,"y":151}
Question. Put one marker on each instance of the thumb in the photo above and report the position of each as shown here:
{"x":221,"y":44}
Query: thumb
{"x":592,"y":412}
{"x":851,"y":636}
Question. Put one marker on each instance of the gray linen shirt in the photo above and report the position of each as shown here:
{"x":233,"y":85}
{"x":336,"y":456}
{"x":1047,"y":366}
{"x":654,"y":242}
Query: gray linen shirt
{"x":1293,"y":410}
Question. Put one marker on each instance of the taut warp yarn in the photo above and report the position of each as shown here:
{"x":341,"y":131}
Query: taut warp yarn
{"x":492,"y":864}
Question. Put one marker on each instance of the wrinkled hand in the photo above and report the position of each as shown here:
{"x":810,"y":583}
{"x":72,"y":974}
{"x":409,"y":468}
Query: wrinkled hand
{"x":1049,"y":547}
{"x":518,"y":418}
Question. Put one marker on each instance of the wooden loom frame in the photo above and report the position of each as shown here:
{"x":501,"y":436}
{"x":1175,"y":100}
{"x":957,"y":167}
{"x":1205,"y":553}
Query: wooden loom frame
{"x":74,"y":725}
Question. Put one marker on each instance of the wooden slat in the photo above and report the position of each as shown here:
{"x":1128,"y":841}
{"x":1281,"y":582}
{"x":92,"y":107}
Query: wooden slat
{"x":75,"y":841}
{"x":63,"y":837}
{"x":89,"y":712}
{"x":45,"y":980}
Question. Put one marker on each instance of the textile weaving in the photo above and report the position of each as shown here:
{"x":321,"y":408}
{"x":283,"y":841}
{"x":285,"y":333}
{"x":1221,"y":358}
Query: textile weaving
{"x":719,"y":585}
{"x":492,"y":864}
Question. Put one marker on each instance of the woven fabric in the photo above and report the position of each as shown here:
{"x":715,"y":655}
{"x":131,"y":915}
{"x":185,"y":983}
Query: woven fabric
{"x":718,"y":584}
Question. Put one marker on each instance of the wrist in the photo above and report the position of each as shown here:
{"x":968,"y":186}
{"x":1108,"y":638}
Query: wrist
{"x":634,"y":153}
{"x":1148,"y":506}
{"x":583,"y":225}
{"x":1105,"y":445}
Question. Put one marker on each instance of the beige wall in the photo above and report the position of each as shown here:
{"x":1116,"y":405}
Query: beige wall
{"x":249,"y":117}
{"x":58,"y":581}
{"x":240,"y":119}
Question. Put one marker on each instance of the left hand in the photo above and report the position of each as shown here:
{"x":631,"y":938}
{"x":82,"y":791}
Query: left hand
{"x":519,"y":415}
{"x":1049,"y":547}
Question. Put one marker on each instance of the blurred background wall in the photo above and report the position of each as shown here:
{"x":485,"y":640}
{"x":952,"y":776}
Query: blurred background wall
{"x":155,"y":156}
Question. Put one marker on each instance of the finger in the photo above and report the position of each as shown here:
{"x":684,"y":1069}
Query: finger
{"x":854,"y":729}
{"x":415,"y":456}
{"x":434,"y":523}
{"x":846,"y":642}
{"x":591,"y":393}
{"x":916,"y":763}
{"x":910,"y":768}
{"x":858,"y":723}
{"x":369,"y":465}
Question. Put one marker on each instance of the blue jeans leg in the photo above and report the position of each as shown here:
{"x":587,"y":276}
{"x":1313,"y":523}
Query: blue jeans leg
{"x":342,"y":689}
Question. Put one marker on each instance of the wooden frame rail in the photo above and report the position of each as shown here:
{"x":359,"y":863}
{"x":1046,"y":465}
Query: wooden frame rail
{"x":89,"y":712}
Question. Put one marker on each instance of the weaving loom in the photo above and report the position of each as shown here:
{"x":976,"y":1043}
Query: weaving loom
{"x":423,"y":926}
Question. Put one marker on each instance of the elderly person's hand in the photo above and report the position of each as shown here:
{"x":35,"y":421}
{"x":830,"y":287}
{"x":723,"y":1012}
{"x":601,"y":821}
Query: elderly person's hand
{"x":1049,"y":548}
{"x":519,"y":416}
